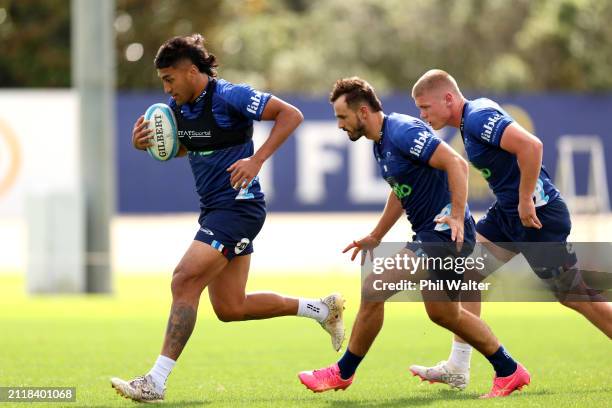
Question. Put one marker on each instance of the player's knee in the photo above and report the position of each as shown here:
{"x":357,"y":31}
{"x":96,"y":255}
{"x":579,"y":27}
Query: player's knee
{"x":183,"y":284}
{"x":177,"y":287}
{"x":442,"y":317}
{"x":372,"y":307}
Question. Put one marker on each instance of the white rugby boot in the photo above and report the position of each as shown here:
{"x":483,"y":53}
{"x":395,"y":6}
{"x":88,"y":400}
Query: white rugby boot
{"x":442,"y":373}
{"x":140,"y":389}
{"x":334,"y":323}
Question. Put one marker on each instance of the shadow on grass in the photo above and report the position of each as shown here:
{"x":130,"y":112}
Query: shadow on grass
{"x":402,"y":401}
{"x":432,"y":399}
{"x":450,"y":395}
{"x":408,"y":400}
{"x":186,"y":403}
{"x":164,"y":404}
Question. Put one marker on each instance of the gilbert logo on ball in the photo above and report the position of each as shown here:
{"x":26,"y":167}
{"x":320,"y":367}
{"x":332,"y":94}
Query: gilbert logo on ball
{"x":165,"y":140}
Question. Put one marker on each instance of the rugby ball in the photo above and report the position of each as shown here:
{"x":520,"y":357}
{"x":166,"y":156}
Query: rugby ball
{"x":165,"y":138}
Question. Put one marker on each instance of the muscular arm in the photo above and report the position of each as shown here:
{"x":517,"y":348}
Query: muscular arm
{"x":447,"y":159}
{"x":286,"y":118}
{"x":528,"y":151}
{"x":392,"y":212}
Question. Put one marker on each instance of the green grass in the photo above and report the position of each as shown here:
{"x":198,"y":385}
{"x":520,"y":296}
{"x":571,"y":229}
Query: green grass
{"x":82,"y":341}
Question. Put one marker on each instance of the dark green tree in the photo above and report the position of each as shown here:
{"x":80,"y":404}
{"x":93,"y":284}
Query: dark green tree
{"x":304,"y":45}
{"x":34,"y":43}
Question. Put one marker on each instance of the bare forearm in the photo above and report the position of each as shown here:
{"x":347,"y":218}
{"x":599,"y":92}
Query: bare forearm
{"x":392,"y":212}
{"x":530,"y":161}
{"x":458,"y":186}
{"x":528,"y":151}
{"x":285,"y":123}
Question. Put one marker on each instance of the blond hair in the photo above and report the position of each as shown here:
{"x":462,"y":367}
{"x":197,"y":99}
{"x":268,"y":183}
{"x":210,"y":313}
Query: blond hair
{"x":435,"y":80}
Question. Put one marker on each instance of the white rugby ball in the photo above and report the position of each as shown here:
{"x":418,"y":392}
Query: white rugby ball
{"x":165,"y":138}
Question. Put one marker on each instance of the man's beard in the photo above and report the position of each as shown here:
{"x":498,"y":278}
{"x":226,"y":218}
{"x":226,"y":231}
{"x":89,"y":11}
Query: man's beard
{"x":359,"y":131}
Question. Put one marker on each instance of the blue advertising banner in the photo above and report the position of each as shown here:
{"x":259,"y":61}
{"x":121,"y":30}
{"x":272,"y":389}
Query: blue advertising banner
{"x":319,"y":169}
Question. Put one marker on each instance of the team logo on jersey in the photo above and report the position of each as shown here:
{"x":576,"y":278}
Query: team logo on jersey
{"x":400,"y":190}
{"x":486,"y":173}
{"x":202,"y":153}
{"x":241,"y":246}
{"x":419,"y":143}
{"x":206,"y":231}
{"x":255,"y":101}
{"x":194,"y":133}
{"x":489,"y":126}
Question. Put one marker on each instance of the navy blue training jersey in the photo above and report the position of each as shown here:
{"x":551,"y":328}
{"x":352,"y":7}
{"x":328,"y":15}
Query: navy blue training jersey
{"x":234,"y":107}
{"x":403,"y":154}
{"x":483,"y":124}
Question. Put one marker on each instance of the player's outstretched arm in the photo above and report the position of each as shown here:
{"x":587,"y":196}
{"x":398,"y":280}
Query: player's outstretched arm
{"x":528,"y":150}
{"x":286,"y":119}
{"x":392,"y":212}
{"x":447,"y":159}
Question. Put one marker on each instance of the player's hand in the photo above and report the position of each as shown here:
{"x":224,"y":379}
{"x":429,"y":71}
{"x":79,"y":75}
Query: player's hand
{"x":141,"y":134}
{"x":364,"y":245}
{"x":527,"y":214}
{"x":244,"y":171}
{"x":456,"y":225}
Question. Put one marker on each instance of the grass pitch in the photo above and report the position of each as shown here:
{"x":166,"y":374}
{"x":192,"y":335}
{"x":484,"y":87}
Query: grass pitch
{"x":82,"y":341}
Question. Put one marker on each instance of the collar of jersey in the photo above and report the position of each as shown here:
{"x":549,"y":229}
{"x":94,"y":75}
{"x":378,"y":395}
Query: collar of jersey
{"x":463,"y":118}
{"x":382,"y":129}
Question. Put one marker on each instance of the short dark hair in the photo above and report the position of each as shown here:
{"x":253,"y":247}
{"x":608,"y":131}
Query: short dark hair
{"x":356,"y":90}
{"x":190,"y":47}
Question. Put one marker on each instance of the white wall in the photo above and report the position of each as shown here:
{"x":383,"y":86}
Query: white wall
{"x":39,"y":146}
{"x":310,"y":242}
